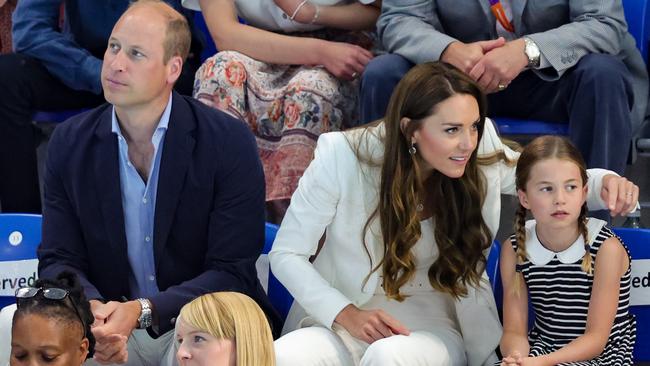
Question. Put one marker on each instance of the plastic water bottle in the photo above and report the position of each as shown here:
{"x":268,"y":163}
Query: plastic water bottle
{"x":633,"y":220}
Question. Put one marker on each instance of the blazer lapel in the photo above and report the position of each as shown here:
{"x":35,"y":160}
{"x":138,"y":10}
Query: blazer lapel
{"x":518,"y":7}
{"x":175,"y":160}
{"x":107,"y":181}
{"x":485,"y":5}
{"x":370,"y":176}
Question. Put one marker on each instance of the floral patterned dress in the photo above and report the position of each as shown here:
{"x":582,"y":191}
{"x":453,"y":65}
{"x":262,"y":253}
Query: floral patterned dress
{"x":286,"y":106}
{"x":6,"y":8}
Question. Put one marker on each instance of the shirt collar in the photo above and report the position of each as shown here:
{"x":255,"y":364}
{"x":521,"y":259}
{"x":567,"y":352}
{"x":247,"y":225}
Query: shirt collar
{"x":540,"y":255}
{"x":163,"y":123}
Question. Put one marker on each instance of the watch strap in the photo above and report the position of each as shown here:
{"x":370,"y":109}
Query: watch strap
{"x":145,"y":319}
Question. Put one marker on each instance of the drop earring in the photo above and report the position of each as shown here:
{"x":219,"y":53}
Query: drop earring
{"x":412,"y":149}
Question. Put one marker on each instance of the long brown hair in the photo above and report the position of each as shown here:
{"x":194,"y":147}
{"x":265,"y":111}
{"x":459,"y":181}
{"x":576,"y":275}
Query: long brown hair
{"x":542,"y":148}
{"x":459,"y":229}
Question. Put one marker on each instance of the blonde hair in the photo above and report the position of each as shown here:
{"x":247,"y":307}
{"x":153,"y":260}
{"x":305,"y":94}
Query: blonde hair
{"x":232,"y":315}
{"x":178,"y":37}
{"x":543,"y":148}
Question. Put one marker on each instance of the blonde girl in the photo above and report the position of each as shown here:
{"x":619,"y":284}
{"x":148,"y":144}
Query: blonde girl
{"x":224,"y":329}
{"x":573,"y":269}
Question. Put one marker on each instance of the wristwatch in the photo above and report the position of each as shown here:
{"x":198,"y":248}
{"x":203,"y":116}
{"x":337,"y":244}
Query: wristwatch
{"x":532,"y":52}
{"x":145,"y":319}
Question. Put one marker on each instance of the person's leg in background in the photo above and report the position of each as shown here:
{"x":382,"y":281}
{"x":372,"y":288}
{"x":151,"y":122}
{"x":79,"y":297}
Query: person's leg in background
{"x":25,"y":87}
{"x":377,"y":83}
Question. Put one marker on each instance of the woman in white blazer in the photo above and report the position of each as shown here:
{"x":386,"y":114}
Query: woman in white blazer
{"x":427,"y":181}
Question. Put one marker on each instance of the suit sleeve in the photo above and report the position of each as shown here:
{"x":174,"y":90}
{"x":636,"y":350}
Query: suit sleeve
{"x":410,"y":28}
{"x":63,"y":246}
{"x":236,"y":228}
{"x":36,"y":34}
{"x":313,"y":207}
{"x":595,"y":27}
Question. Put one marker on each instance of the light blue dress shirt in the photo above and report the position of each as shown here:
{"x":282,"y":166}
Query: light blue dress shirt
{"x":139,"y":205}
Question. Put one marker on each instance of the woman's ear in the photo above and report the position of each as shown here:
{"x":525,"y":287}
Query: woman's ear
{"x":404,"y":127}
{"x":403,"y":124}
{"x":523,"y":198}
{"x":83,"y":350}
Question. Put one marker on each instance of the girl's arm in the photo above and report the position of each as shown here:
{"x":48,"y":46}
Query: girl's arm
{"x":515,"y":306}
{"x":353,"y":16}
{"x":341,"y":59}
{"x":611,"y":263}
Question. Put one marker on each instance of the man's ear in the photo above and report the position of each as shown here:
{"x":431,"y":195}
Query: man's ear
{"x":174,"y":67}
{"x":523,"y":198}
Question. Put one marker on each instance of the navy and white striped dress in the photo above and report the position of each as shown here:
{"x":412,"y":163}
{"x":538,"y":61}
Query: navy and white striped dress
{"x":559,"y":292}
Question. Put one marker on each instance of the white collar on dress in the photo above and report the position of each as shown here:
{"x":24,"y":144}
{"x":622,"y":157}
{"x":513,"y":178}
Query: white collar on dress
{"x":540,"y":255}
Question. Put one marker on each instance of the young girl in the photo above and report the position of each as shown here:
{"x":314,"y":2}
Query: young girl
{"x":224,"y":329}
{"x":575,"y":271}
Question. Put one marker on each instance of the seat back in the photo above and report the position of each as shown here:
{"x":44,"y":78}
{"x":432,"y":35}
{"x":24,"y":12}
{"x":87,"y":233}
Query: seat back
{"x":279,"y":296}
{"x":638,"y":243}
{"x":20,"y":235}
{"x":492,"y":269}
{"x":637,"y":15}
{"x":209,"y":48}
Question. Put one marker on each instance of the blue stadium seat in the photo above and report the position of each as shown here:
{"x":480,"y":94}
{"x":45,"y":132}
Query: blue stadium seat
{"x":20,"y":235}
{"x":493,"y":272}
{"x":209,"y":48}
{"x":638,"y":242}
{"x":637,"y":14}
{"x":279,"y":296}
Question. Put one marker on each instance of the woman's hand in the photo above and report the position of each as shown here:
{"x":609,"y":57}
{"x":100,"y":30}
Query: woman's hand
{"x":619,"y":194}
{"x":369,"y":325}
{"x":345,"y":61}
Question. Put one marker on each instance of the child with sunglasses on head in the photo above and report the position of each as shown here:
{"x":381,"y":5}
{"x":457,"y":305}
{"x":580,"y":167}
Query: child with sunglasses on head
{"x":51,"y":325}
{"x":573,"y":269}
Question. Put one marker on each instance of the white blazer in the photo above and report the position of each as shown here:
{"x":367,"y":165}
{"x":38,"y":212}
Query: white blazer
{"x":336,"y":195}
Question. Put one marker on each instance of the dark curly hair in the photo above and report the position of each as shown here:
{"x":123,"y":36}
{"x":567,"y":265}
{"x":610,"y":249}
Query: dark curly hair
{"x":61,"y":310}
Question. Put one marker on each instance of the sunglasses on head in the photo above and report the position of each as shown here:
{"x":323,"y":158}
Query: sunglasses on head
{"x":50,"y":293}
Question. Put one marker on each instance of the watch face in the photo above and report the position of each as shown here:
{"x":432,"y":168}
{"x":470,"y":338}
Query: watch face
{"x":532,"y":52}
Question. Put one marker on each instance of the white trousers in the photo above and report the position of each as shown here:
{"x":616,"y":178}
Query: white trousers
{"x":319,"y":346}
{"x":143,"y":350}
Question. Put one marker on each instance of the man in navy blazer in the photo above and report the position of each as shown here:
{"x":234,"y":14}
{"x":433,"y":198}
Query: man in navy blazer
{"x":153,"y":199}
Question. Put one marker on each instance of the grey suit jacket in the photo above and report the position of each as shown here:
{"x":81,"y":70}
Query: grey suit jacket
{"x":564,"y":30}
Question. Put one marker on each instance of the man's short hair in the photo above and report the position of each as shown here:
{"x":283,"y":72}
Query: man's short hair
{"x":177,"y":36}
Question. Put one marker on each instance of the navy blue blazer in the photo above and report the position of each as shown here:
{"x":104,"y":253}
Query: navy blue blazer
{"x":209,"y":218}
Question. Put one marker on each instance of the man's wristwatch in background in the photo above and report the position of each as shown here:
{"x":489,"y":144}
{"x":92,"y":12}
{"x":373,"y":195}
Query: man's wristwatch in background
{"x":145,"y":319}
{"x":532,"y":52}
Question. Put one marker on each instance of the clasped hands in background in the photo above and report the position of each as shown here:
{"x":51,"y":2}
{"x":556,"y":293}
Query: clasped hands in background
{"x":493,"y":64}
{"x":114,"y":322}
